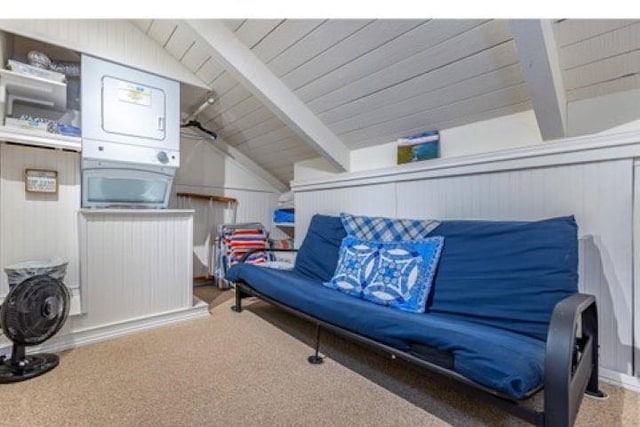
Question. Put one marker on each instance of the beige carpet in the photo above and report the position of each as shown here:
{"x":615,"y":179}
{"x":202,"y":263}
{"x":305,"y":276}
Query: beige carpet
{"x":250,"y":369}
{"x":208,"y":292}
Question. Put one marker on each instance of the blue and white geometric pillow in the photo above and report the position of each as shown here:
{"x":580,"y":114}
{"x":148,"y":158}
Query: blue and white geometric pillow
{"x":404,"y":274}
{"x":387,"y":229}
{"x":356,"y":261}
{"x":395,"y":274}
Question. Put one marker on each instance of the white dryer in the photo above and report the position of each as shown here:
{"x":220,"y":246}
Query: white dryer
{"x":130,"y":123}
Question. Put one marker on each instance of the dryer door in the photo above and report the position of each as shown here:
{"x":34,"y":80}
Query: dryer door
{"x":133,"y":109}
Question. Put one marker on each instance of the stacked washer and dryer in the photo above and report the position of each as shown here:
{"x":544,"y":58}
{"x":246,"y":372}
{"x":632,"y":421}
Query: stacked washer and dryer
{"x":130,"y":136}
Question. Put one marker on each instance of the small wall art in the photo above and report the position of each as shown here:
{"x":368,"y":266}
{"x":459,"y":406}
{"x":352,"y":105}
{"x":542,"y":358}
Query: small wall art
{"x":415,"y":148}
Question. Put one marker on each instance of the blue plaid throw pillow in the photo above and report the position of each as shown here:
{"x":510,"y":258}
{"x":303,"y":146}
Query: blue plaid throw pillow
{"x":387,"y":229}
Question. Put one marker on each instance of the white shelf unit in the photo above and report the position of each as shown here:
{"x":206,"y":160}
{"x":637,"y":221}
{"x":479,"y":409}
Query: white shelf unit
{"x":39,"y":91}
{"x":36,"y":90}
{"x":40,"y":139}
{"x":284,"y":224}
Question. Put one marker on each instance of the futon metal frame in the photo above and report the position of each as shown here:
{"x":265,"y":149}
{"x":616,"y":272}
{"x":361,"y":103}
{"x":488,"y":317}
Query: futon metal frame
{"x":571,"y":360}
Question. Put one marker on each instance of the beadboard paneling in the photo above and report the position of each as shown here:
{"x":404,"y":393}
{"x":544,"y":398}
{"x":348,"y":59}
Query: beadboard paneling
{"x":365,"y":200}
{"x":600,"y":197}
{"x":254,"y":206}
{"x":206,"y":218}
{"x":134,"y":264}
{"x":39,"y":225}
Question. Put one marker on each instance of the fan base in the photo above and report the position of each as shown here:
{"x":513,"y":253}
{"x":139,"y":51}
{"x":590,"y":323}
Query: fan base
{"x":31,"y":366}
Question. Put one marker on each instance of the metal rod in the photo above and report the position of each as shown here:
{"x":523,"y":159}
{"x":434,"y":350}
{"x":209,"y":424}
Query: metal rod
{"x":209,"y":101}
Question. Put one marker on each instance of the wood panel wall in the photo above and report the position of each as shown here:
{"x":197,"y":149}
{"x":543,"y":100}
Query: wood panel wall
{"x":134,"y":264}
{"x":38,"y":225}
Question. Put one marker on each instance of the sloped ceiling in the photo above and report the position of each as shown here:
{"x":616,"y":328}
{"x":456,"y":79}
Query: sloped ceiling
{"x":372,"y":81}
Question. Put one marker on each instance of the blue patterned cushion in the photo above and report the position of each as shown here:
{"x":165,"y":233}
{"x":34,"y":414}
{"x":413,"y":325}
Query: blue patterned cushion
{"x":395,"y":274}
{"x":387,"y":229}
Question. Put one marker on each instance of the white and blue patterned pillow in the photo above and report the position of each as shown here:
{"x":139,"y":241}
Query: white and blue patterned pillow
{"x":387,"y":229}
{"x":395,"y":274}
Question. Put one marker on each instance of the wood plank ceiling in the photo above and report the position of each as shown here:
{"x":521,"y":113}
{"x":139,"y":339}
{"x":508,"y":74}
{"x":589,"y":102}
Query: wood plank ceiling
{"x":598,"y":57}
{"x":372,"y":81}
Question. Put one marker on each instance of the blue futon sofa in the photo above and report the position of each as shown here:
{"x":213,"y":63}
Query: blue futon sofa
{"x":503,"y":316}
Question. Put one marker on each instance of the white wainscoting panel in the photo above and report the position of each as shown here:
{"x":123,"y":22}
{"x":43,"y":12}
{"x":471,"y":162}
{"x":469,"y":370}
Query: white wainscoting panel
{"x":38,"y":225}
{"x":365,"y":200}
{"x":600,"y":195}
{"x":134,"y":264}
{"x":207,"y":216}
{"x":254,"y":205}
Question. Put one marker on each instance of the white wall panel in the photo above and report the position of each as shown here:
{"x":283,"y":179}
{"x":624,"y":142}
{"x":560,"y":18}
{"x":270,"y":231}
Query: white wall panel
{"x":134,"y":264}
{"x":208,"y":214}
{"x":365,"y":200}
{"x":254,"y":206}
{"x":38,"y":225}
{"x":600,"y":197}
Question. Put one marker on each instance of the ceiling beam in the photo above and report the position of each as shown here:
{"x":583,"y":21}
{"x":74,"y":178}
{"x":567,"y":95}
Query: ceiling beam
{"x":538,"y":56}
{"x":245,"y":66}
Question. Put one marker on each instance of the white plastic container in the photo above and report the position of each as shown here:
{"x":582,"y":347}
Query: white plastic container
{"x":19,"y":272}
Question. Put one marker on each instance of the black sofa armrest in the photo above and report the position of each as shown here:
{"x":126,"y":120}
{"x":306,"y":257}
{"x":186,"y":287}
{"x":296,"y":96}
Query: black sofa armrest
{"x":571,"y":361}
{"x":247,"y":254}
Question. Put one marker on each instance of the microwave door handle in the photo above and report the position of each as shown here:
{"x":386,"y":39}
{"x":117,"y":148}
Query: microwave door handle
{"x":161,"y":123}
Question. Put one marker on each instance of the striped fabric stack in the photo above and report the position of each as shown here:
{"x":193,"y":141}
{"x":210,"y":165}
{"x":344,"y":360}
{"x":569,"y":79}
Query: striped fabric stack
{"x":240,"y":241}
{"x":232,"y":242}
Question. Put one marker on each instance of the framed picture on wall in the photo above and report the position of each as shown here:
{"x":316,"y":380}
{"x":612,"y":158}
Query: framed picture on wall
{"x":41,"y":181}
{"x":415,"y":148}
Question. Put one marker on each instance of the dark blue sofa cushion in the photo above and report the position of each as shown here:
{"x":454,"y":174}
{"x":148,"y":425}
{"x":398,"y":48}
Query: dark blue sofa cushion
{"x":506,"y":274}
{"x":498,"y":359}
{"x":318,"y":254}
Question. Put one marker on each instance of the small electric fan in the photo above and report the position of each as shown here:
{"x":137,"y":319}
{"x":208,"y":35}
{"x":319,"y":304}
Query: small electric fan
{"x":32,"y":312}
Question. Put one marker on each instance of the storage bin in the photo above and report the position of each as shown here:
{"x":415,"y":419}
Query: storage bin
{"x":19,"y":272}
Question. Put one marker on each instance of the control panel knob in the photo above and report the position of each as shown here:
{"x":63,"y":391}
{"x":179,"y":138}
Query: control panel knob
{"x":163,"y":157}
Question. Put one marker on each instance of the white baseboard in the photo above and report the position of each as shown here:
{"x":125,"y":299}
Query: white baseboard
{"x":616,"y":378}
{"x":80,"y":338}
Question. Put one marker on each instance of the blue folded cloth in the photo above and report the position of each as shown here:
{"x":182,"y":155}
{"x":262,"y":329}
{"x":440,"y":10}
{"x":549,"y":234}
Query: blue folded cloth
{"x":283,"y":215}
